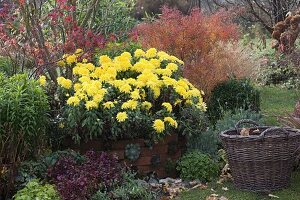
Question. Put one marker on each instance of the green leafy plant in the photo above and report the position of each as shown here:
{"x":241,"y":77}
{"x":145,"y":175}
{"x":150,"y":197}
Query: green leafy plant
{"x":231,"y":95}
{"x":100,"y":196}
{"x":132,"y":189}
{"x":196,"y":165}
{"x":23,"y":120}
{"x":36,"y":190}
{"x":23,"y":117}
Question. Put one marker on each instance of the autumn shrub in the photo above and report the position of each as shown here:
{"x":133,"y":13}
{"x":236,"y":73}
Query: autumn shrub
{"x":193,"y":38}
{"x":225,"y":60}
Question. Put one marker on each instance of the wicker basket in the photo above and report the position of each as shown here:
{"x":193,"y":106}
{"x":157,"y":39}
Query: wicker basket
{"x":262,"y":161}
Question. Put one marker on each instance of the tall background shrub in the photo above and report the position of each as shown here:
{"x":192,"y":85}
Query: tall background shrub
{"x":198,"y":40}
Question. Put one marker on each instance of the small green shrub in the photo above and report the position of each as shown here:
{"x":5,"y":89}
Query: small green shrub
{"x":100,"y":196}
{"x":130,"y":189}
{"x":36,"y":190}
{"x":133,"y":189}
{"x":231,"y":95}
{"x":196,"y":165}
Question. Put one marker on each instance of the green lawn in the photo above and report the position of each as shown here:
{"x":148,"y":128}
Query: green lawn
{"x":275,"y":101}
{"x":292,"y":193}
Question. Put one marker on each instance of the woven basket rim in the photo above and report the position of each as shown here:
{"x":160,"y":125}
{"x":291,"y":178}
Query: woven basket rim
{"x":292,"y":133}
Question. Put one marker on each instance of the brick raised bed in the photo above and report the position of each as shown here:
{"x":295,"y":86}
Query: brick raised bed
{"x":152,"y":159}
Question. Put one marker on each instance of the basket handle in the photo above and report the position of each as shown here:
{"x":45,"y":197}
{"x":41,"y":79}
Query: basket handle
{"x":271,"y":129}
{"x":246,"y":121}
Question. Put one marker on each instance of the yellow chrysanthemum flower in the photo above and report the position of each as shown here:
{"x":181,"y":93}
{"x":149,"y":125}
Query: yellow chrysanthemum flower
{"x":125,"y":88}
{"x":168,"y":106}
{"x":90,"y":105}
{"x":71,"y":59}
{"x":73,"y":101}
{"x":147,"y":105}
{"x":151,"y":53}
{"x":155,"y":62}
{"x":139,"y":53}
{"x":135,"y":95}
{"x":109,"y":105}
{"x":42,"y":80}
{"x":61,"y":125}
{"x":172,"y":66}
{"x":84,"y":79}
{"x":171,"y":121}
{"x":78,"y":52}
{"x":122,"y":116}
{"x":77,"y":87}
{"x":130,"y":104}
{"x":61,"y":63}
{"x":126,"y":55}
{"x":181,"y":91}
{"x":98,"y":98}
{"x":104,"y":59}
{"x":159,"y":126}
{"x":65,"y":83}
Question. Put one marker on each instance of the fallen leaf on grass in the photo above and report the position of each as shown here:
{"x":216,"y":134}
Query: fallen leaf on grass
{"x":273,"y":196}
{"x":212,"y":197}
{"x":223,"y":198}
{"x":203,"y":187}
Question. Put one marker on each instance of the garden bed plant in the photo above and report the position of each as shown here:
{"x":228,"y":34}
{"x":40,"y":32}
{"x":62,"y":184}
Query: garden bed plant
{"x":128,"y":96}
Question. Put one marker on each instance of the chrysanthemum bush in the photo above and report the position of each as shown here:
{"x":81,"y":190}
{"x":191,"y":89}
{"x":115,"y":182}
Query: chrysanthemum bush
{"x":128,"y":96}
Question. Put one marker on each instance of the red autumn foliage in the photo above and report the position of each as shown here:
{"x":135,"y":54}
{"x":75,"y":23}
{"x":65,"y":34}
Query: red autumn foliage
{"x":191,"y":38}
{"x":30,"y":37}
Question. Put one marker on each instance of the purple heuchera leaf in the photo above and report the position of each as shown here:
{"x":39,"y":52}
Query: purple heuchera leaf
{"x":80,"y":180}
